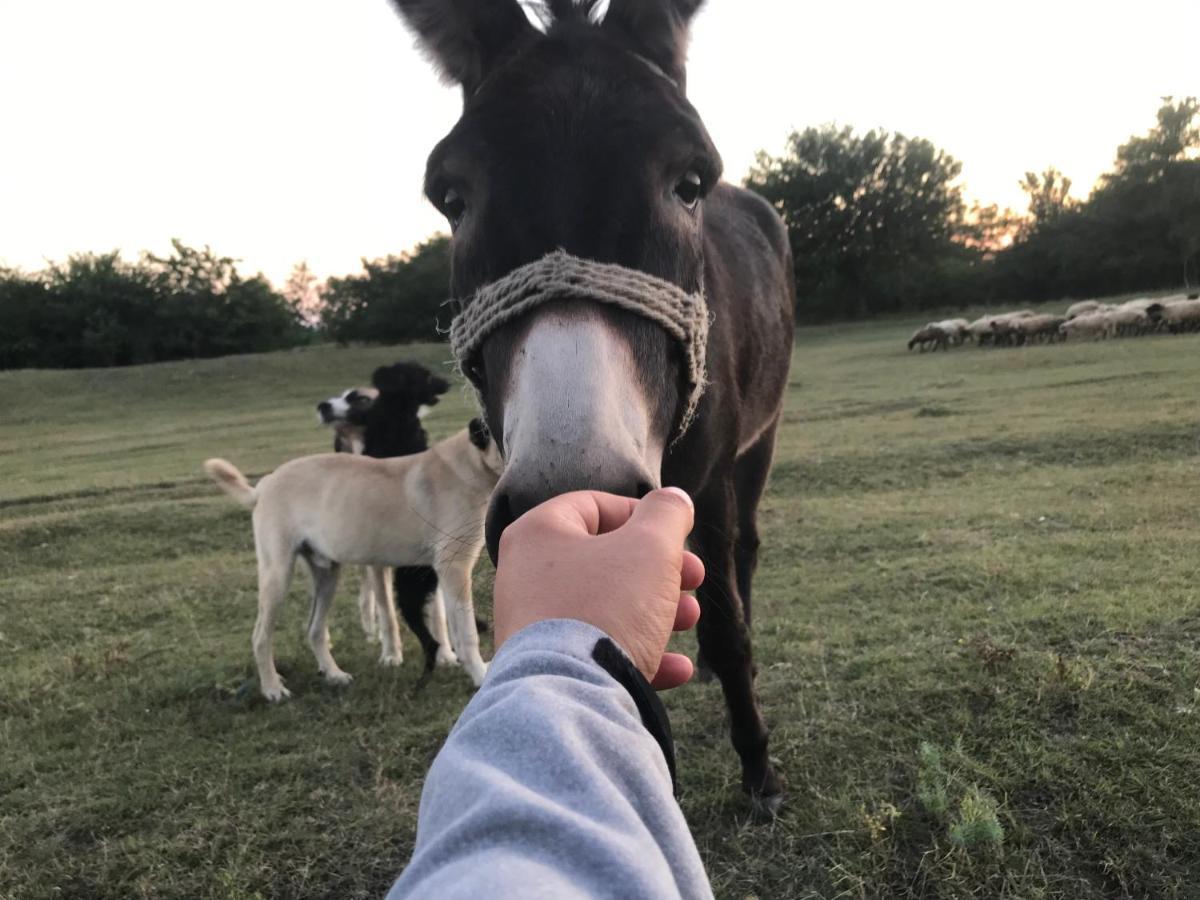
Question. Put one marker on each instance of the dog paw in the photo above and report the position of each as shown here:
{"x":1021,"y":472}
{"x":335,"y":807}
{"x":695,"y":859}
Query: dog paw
{"x":391,"y":659}
{"x":275,"y":693}
{"x":477,"y":673}
{"x":338,"y":677}
{"x":445,"y":658}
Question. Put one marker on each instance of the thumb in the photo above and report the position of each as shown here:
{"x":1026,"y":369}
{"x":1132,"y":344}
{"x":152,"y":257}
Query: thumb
{"x":667,"y":511}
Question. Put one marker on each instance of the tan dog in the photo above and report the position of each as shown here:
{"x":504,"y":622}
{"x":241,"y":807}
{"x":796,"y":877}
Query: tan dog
{"x":333,"y":508}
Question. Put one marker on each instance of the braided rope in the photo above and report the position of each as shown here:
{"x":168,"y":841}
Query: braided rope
{"x":561,"y":276}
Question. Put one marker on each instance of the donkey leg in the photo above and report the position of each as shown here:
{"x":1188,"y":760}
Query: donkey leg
{"x":725,"y":644}
{"x":750,"y":478}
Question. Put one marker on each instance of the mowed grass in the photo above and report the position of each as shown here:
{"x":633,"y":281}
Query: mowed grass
{"x":989,"y":553}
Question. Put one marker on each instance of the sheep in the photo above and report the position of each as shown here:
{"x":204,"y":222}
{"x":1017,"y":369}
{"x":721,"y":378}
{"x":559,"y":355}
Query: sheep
{"x":1083,"y":307}
{"x":930,"y":334}
{"x":981,"y":330}
{"x":1181,"y":316}
{"x":1145,"y":304}
{"x":1093,"y":324}
{"x":958,"y":329}
{"x":1030,"y":328}
{"x":1127,"y":321}
{"x":1004,"y":328}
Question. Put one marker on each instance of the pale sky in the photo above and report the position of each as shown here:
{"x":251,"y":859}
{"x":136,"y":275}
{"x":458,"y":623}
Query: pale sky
{"x":281,"y":130}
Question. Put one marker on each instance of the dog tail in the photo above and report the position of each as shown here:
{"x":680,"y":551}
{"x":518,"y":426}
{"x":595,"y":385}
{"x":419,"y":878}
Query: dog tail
{"x":231,"y":481}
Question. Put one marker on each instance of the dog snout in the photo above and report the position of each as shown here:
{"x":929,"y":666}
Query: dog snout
{"x":515,"y":495}
{"x":325,"y":411}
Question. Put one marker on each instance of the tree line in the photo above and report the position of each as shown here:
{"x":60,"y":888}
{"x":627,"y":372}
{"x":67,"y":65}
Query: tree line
{"x":878,"y":223}
{"x":99,"y":310}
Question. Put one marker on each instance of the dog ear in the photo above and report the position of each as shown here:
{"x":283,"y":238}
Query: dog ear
{"x":389,"y":379}
{"x":479,"y":434}
{"x":401,"y":376}
{"x":657,"y":30}
{"x":434,"y":388}
{"x":466,"y":39}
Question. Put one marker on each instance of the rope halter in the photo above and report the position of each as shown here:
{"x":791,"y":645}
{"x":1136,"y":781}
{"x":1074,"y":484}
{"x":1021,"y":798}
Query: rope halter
{"x":561,"y":276}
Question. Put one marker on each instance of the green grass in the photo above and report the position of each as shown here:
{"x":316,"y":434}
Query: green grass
{"x":977,"y":626}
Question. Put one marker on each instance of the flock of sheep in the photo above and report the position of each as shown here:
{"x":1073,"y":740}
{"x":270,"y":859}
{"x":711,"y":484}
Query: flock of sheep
{"x":1086,"y":319}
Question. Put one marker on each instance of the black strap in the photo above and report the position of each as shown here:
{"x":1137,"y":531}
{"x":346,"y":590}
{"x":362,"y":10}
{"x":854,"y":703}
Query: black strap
{"x":645,"y":698}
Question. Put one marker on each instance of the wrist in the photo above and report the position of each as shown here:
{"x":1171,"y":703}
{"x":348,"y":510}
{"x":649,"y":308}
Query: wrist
{"x":587,"y":643}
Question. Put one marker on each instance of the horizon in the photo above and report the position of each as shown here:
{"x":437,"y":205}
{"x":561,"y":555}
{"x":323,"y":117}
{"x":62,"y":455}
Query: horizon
{"x":272,"y":134}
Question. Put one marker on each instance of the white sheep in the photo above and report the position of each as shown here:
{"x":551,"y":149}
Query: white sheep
{"x":1094,"y":325}
{"x":1083,"y":307}
{"x":1032,"y":328}
{"x":958,"y":329}
{"x":1181,"y":316}
{"x":1004,"y":330}
{"x":929,"y":334}
{"x":980,"y":330}
{"x":1127,"y":321}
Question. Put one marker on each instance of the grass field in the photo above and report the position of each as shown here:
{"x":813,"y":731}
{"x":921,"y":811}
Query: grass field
{"x":977,"y":624}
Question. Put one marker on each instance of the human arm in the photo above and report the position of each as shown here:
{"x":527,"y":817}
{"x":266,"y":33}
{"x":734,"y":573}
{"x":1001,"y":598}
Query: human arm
{"x":555,"y":781}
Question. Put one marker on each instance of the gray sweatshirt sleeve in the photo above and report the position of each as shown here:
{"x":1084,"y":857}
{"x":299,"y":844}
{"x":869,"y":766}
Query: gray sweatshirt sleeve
{"x":550,"y":786}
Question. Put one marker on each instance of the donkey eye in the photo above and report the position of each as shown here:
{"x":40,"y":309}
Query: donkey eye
{"x":687,"y":189}
{"x":453,"y":206}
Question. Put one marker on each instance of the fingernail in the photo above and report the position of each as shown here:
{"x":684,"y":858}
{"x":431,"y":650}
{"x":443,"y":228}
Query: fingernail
{"x":682,"y":493}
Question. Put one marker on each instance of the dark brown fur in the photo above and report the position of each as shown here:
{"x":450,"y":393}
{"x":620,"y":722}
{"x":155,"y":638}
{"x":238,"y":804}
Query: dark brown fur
{"x":581,"y":139}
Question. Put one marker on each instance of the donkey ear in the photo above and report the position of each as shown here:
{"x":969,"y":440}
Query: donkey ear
{"x":466,"y":38}
{"x":658,"y":30}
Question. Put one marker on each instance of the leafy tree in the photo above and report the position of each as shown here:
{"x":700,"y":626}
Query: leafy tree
{"x":988,"y":229}
{"x":98,"y":310}
{"x":875,"y":219}
{"x":395,"y":299}
{"x":304,"y":293}
{"x":1049,"y":195}
{"x":1171,"y":140}
{"x":1138,"y":230}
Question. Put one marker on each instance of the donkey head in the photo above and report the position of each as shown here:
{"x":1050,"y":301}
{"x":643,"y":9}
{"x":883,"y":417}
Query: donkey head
{"x":580,"y":138}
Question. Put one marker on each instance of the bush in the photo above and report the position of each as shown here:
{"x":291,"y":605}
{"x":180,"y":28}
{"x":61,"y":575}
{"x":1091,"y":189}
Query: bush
{"x":396,"y":299}
{"x":98,"y":310}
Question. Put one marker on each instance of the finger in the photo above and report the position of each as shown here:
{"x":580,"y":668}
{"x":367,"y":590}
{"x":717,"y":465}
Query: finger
{"x":692,"y":574}
{"x":588,"y":512}
{"x":674,"y":669}
{"x":687,"y":613}
{"x":667,"y":511}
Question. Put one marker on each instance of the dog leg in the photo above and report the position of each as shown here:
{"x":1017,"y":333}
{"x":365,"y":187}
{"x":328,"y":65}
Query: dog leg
{"x":391,"y":653}
{"x":274,"y":576}
{"x":325,"y":579}
{"x":455,"y":581}
{"x":435,"y":621}
{"x":366,"y":607}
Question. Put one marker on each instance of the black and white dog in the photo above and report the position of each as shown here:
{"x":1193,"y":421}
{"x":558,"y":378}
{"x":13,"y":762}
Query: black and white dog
{"x":384,"y":421}
{"x":346,"y":414}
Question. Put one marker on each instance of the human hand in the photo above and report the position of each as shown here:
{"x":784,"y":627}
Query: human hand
{"x":613,"y":562}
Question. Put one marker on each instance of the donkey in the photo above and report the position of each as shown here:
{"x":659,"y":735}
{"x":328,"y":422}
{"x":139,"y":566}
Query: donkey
{"x":579,"y":137}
